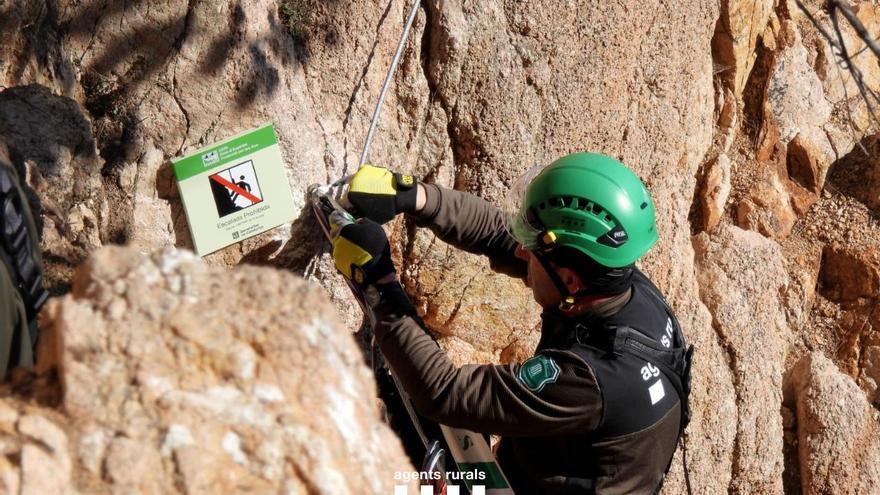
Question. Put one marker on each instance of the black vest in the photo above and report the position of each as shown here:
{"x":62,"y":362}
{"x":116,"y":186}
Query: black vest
{"x":642,"y":366}
{"x":644,"y":334}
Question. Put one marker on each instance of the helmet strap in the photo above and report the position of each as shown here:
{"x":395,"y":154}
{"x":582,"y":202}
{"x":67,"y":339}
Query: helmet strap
{"x":546,"y":244}
{"x":568,"y":299}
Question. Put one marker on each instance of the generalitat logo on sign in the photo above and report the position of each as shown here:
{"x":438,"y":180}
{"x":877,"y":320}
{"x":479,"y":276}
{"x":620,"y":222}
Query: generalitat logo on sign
{"x":211,"y":157}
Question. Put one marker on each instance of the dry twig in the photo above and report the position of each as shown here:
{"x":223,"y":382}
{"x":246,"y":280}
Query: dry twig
{"x":836,"y":8}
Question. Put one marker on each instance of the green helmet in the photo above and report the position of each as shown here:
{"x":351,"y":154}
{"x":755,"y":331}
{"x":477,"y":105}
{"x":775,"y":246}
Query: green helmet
{"x":586,"y":201}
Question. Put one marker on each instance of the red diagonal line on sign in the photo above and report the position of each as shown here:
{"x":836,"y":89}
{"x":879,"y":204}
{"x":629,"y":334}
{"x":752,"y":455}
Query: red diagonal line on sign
{"x":235,"y":188}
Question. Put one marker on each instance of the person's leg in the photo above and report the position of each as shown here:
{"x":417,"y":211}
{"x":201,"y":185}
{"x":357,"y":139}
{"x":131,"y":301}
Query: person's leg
{"x":21,"y":274}
{"x":15,"y":340}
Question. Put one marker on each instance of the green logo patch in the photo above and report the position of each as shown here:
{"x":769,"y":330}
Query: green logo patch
{"x":538,"y":372}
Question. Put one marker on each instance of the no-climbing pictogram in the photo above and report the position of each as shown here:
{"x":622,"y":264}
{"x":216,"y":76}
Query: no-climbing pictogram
{"x":235,"y":188}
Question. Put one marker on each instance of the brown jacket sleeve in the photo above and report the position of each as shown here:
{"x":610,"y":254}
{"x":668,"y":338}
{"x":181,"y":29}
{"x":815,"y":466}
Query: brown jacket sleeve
{"x":484,"y":398}
{"x":472,"y":224}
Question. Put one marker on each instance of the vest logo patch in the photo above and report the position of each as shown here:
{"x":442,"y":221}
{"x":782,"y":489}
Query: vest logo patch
{"x":537,"y":372}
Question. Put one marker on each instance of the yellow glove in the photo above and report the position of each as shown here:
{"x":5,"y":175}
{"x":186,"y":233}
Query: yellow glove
{"x":361,"y":252}
{"x":379,"y":194}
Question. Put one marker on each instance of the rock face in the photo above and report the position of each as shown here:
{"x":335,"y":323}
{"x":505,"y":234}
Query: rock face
{"x":163,"y":78}
{"x":151,"y":222}
{"x":484,"y":90}
{"x":768,"y":208}
{"x":840,"y":86}
{"x":182,"y":378}
{"x":806,"y":164}
{"x":873,"y":190}
{"x":838,"y":431}
{"x":870,"y":378}
{"x":814,"y":103}
{"x":463,"y":300}
{"x":866,"y":173}
{"x":739,"y":31}
{"x":850,"y":273}
{"x":36,"y":451}
{"x":568,"y":77}
{"x":795,"y":103}
{"x":30,"y":49}
{"x":50,"y":139}
{"x":716,"y":189}
{"x":741,"y":279}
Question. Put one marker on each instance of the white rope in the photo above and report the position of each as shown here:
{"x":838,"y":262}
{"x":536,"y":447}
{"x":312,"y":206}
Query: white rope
{"x":391,"y":70}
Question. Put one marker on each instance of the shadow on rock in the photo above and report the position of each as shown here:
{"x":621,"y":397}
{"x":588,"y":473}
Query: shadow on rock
{"x":166,"y":187}
{"x":30,"y":33}
{"x":40,"y":127}
{"x":306,"y":242}
{"x":263,"y":81}
{"x":222,"y":46}
{"x":857,"y":174}
{"x":50,"y":143}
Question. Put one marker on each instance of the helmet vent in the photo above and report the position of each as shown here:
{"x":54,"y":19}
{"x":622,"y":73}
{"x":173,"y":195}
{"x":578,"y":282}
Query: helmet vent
{"x":574,"y":203}
{"x":643,"y":206}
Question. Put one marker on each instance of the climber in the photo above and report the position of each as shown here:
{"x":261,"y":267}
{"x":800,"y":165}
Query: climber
{"x":242,"y":185}
{"x":601,"y":405}
{"x":21,"y":285}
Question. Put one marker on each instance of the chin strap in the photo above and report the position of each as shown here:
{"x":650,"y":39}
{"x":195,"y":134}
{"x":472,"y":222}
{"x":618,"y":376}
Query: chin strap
{"x":546,"y":244}
{"x":568,"y":299}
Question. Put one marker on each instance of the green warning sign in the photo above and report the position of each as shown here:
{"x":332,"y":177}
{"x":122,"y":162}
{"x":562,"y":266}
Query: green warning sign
{"x":234,"y":189}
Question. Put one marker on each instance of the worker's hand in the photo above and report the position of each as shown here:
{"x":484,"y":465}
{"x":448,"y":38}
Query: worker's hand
{"x":379,"y":194}
{"x":361,"y":252}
